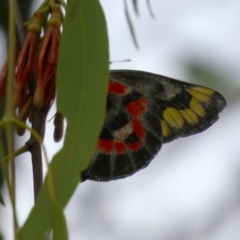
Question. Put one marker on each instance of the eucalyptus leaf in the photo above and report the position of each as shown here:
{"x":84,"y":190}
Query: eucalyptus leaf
{"x":59,"y":222}
{"x":82,"y":81}
{"x":1,"y":199}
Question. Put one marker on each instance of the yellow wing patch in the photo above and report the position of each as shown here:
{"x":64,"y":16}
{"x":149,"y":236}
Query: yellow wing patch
{"x":190,"y":116}
{"x":196,"y":106}
{"x":201,"y":94}
{"x":204,"y":90}
{"x":173,"y":117}
{"x":175,"y":121}
{"x":165,"y":129}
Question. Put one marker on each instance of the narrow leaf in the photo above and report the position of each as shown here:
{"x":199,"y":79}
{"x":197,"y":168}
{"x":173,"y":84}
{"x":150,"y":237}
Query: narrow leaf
{"x":135,"y":6}
{"x":1,"y":199}
{"x":130,"y":25}
{"x":59,"y":223}
{"x":150,"y":8}
{"x":2,"y":154}
{"x":81,"y":97}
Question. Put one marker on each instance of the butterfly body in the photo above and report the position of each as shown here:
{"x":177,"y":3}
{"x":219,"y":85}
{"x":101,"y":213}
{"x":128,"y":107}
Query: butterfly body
{"x":145,"y":110}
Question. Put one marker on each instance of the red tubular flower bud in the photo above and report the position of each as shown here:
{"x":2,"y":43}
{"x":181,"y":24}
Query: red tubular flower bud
{"x":25,"y":61}
{"x":23,"y":115}
{"x":46,"y":61}
{"x":50,"y":91}
{"x":3,"y":80}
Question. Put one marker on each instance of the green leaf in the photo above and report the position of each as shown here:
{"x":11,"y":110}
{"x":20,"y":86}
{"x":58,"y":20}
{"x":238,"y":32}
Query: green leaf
{"x":135,"y":6}
{"x":1,"y":199}
{"x":81,"y":96}
{"x":130,"y":25}
{"x":2,"y":154}
{"x":59,"y":223}
{"x":150,"y":8}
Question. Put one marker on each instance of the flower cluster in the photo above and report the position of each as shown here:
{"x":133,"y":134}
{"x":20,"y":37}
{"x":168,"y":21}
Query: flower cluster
{"x":36,"y":63}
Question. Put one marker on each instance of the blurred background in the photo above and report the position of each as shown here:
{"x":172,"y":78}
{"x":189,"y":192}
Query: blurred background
{"x":190,"y":191}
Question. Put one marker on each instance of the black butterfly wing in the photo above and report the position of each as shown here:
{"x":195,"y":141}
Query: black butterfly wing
{"x":145,"y":110}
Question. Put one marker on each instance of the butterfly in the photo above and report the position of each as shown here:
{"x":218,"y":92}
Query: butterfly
{"x":145,"y":110}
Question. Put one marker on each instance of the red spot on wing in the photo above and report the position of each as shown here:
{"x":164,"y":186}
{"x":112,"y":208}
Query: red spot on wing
{"x":135,"y":146}
{"x":117,"y":88}
{"x":119,"y":147}
{"x":138,"y":128}
{"x":105,"y":145}
{"x":138,"y":107}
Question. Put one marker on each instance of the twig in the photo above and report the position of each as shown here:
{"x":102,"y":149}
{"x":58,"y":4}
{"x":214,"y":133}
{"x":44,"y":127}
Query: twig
{"x":38,"y":117}
{"x":20,"y":31}
{"x":38,"y":123}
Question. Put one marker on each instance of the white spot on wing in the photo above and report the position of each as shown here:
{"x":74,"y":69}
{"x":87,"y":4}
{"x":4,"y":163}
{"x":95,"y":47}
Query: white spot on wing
{"x":124,"y":132}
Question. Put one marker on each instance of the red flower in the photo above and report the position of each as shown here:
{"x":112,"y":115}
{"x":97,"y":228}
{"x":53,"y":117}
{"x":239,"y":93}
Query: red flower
{"x":46,"y":61}
{"x":26,"y":56}
{"x":3,"y":80}
{"x":50,"y":90}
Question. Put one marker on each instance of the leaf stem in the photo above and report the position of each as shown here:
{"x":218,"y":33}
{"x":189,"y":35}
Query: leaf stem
{"x":16,"y":153}
{"x":9,"y":112}
{"x":38,"y":124}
